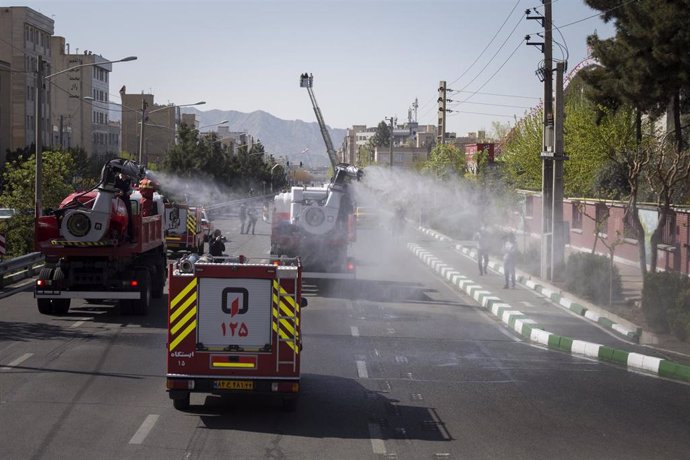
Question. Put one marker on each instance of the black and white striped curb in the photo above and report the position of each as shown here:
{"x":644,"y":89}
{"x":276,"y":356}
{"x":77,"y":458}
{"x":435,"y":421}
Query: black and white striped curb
{"x":549,"y":292}
{"x":530,"y":330}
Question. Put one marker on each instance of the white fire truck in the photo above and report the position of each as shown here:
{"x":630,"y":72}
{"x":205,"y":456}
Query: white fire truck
{"x":234,"y":327}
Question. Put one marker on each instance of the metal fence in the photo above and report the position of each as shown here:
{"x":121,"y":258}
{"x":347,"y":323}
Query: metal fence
{"x":19,"y":268}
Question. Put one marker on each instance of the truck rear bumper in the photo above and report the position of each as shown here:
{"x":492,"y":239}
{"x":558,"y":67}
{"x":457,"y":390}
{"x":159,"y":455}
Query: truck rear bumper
{"x":329,"y":275}
{"x":87,"y":295}
{"x":178,"y":386}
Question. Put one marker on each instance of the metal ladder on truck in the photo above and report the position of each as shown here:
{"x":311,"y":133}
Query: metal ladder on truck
{"x":307,"y":81}
{"x":291,"y":319}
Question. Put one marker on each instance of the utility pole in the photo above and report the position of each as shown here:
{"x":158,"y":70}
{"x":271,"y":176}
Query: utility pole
{"x":558,"y":228}
{"x":545,"y":72}
{"x":144,"y":106}
{"x":441,"y":137}
{"x":392,"y":120}
{"x":38,"y":138}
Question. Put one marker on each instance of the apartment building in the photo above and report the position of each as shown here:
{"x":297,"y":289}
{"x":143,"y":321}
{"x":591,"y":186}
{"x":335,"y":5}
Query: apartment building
{"x":24,"y":38}
{"x":159,"y":130}
{"x":411,"y":142}
{"x":80,"y":102}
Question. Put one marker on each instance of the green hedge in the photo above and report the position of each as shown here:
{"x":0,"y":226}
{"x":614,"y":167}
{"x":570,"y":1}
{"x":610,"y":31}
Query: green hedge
{"x":587,"y":275}
{"x":666,"y":303}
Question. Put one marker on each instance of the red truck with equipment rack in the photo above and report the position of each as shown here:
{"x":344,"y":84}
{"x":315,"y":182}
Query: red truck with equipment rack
{"x":88,"y":254}
{"x":183,"y":231}
{"x":234,"y":327}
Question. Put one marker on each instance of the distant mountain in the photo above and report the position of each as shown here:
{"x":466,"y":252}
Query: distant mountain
{"x":279,"y":137}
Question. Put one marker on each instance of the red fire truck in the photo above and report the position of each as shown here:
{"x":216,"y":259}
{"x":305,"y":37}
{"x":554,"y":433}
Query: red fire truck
{"x":183,"y":231}
{"x":234,"y":327}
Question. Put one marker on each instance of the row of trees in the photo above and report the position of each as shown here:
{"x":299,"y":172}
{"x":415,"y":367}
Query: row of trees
{"x":195,"y":157}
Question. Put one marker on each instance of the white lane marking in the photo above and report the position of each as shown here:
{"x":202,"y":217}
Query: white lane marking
{"x":355,"y":331}
{"x":377,"y":444}
{"x":144,"y":429}
{"x":17,"y":361}
{"x":77,"y":324}
{"x":401,"y":359}
{"x":527,"y":304}
{"x":362,"y":370}
{"x":390,"y":330}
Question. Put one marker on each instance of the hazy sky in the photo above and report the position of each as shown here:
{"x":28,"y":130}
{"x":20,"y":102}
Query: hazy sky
{"x":370,"y":59}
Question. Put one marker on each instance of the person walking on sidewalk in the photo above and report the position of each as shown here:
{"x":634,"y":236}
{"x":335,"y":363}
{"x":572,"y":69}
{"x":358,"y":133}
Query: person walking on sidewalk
{"x":482,"y":239}
{"x":509,"y":256}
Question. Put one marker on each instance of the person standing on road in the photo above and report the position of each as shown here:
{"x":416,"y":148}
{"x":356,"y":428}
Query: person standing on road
{"x":216,"y":245}
{"x":243,"y":217}
{"x":252,"y":216}
{"x":509,"y":258}
{"x":482,"y":239}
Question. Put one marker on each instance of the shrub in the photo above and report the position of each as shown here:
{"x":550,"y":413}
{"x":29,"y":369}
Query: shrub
{"x":529,"y":260}
{"x":679,"y":315}
{"x":588,"y":276}
{"x":663,"y":301}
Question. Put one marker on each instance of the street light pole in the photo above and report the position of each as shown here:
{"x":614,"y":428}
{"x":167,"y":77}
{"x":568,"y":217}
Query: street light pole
{"x":38,"y":134}
{"x":38,"y":144}
{"x":144,"y":105}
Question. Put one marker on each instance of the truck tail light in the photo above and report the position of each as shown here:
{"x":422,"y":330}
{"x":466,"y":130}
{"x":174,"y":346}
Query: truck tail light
{"x":350,"y":266}
{"x":133,"y":283}
{"x":179,"y":384}
{"x":285,"y":387}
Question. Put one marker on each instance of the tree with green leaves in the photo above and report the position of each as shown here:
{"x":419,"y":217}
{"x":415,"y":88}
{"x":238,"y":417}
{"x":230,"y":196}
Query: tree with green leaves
{"x":445,"y":162}
{"x":520,"y":152}
{"x":19,"y":193}
{"x":382,"y":136}
{"x":646,"y":64}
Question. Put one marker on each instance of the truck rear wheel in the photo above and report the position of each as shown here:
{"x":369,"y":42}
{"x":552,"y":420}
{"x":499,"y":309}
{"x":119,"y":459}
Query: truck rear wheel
{"x":45,"y":306}
{"x":60,"y":306}
{"x":141,"y":306}
{"x":181,"y":403}
{"x":158,"y":280}
{"x":52,"y":306}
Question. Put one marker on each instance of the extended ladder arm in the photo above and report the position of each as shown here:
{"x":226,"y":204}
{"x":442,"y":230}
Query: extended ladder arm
{"x":307,"y":82}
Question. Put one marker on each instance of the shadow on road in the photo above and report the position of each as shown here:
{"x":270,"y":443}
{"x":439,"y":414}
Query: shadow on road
{"x":15,"y":331}
{"x":329,"y":407}
{"x":376,"y":291}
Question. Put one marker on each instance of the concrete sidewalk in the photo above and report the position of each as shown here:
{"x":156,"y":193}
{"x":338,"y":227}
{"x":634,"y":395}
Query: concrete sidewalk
{"x":666,"y":356}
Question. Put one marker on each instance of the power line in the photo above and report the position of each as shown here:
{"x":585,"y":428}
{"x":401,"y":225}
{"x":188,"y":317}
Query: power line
{"x":488,"y":44}
{"x":496,"y":72}
{"x":480,"y":54}
{"x":494,"y":105}
{"x":457,"y":112}
{"x":495,"y":54}
{"x":494,"y":94}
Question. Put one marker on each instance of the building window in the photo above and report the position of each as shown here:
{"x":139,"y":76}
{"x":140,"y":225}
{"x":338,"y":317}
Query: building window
{"x":602,"y":218}
{"x":668,"y":236}
{"x":529,"y":206}
{"x":629,"y":226}
{"x":577,"y":215}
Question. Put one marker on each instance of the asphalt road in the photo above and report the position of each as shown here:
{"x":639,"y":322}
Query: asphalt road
{"x":396,"y":364}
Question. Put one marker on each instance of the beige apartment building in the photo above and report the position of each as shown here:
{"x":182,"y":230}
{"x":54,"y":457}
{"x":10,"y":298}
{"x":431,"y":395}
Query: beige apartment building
{"x":81,"y":102}
{"x":159,"y":129}
{"x":24,"y":37}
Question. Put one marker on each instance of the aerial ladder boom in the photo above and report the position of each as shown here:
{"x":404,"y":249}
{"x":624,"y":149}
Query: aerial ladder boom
{"x":307,"y":81}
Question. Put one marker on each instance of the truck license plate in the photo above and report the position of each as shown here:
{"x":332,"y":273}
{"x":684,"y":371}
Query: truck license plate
{"x":233,"y":385}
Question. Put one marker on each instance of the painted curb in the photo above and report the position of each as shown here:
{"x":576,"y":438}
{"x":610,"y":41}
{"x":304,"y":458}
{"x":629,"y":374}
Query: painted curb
{"x":530,"y":330}
{"x":557,"y":297}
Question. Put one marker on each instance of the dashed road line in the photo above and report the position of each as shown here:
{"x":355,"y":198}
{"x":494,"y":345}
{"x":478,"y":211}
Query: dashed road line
{"x":362,"y":370}
{"x":355,"y":331}
{"x":376,"y":438}
{"x":17,"y":361}
{"x":144,"y":429}
{"x":77,"y":324}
